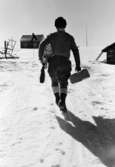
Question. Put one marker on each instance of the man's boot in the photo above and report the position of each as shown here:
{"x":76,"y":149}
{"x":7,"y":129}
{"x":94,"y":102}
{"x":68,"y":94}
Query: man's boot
{"x":62,"y":104}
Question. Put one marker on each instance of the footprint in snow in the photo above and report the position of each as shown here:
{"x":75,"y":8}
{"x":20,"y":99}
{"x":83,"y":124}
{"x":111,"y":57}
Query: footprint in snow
{"x":41,"y":160}
{"x":35,"y":108}
{"x":52,"y":127}
{"x":61,"y":151}
{"x":96,"y":103}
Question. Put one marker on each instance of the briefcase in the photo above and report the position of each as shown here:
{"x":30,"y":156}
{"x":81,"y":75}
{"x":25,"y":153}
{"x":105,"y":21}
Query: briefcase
{"x":79,"y":76}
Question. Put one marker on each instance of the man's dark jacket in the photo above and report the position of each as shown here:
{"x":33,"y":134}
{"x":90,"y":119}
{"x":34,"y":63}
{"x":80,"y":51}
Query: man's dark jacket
{"x":62,"y":43}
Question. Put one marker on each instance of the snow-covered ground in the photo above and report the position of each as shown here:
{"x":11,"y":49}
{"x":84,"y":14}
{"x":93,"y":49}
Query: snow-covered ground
{"x":33,"y":133}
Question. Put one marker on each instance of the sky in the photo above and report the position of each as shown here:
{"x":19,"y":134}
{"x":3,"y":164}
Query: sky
{"x":91,"y":18}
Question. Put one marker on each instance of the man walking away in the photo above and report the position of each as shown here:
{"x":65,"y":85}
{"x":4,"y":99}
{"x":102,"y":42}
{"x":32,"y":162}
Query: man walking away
{"x":59,"y":64}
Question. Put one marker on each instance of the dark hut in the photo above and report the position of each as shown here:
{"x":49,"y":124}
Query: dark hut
{"x":31,"y":41}
{"x":110,"y":51}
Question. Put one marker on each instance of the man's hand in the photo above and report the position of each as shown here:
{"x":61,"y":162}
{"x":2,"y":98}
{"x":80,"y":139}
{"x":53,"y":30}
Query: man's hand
{"x":78,"y":68}
{"x":44,"y":62}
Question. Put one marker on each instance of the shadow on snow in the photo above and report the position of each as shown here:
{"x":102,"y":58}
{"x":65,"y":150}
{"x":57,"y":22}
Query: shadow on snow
{"x":99,"y":139}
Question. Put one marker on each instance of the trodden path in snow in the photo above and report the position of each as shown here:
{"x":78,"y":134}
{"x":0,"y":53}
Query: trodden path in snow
{"x":33,"y":132}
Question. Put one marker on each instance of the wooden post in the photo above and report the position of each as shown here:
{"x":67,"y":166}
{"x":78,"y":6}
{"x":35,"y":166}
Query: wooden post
{"x":86,"y":35}
{"x":5,"y":49}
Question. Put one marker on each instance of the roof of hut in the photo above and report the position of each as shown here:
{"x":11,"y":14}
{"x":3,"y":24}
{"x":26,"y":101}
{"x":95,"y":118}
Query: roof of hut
{"x":109,"y":47}
{"x":30,"y":37}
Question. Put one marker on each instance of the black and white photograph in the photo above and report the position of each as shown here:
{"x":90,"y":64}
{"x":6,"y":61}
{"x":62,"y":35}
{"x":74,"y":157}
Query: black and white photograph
{"x":57,"y":83}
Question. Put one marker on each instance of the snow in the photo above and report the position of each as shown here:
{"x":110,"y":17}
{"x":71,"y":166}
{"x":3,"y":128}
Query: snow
{"x":33,"y":132}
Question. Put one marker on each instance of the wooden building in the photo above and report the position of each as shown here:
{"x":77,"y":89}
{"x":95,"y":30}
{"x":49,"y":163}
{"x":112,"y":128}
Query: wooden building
{"x":31,"y":41}
{"x":110,"y":51}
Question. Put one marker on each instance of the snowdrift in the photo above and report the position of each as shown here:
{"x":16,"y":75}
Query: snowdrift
{"x":33,"y":132}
